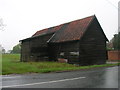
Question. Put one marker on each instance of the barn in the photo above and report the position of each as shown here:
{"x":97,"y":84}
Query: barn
{"x":80,"y":42}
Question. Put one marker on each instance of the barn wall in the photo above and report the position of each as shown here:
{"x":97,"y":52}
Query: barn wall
{"x":25,"y":51}
{"x":90,"y":49}
{"x":35,"y":49}
{"x":67,"y":50}
{"x":93,"y":46}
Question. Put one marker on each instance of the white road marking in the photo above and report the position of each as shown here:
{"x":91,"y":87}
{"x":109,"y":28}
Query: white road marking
{"x":44,"y":82}
{"x":112,"y":68}
{"x":11,"y":77}
{"x":109,"y":68}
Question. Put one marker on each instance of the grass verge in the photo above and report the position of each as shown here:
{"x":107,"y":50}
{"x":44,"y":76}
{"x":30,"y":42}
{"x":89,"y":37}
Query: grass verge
{"x":11,"y":65}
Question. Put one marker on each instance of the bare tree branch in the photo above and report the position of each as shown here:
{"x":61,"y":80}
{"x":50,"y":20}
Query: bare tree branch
{"x":2,"y":25}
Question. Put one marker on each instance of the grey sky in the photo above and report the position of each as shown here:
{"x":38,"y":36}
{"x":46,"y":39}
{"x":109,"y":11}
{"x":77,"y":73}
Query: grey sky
{"x":24,"y":17}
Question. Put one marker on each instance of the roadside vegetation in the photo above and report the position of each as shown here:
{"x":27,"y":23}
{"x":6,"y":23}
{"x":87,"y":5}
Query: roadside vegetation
{"x":11,"y":65}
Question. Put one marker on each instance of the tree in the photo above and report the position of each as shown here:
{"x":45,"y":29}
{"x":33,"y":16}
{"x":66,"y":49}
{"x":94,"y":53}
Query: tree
{"x":1,"y":24}
{"x":116,"y":42}
{"x":16,"y":49}
{"x":3,"y":50}
{"x":9,"y":51}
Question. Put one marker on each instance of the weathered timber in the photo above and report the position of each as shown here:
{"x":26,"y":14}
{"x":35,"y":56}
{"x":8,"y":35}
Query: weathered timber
{"x":80,"y":42}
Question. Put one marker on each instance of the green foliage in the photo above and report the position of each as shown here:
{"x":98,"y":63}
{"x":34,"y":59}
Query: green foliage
{"x":116,"y":42}
{"x":12,"y":65}
{"x":3,"y":50}
{"x":16,"y":49}
{"x":109,"y":49}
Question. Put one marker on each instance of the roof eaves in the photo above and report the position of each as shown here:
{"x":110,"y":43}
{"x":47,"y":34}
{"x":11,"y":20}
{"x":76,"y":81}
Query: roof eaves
{"x":35,"y":36}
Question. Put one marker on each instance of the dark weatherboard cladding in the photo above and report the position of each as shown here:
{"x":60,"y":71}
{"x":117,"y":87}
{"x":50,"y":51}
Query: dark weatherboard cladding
{"x":78,"y":42}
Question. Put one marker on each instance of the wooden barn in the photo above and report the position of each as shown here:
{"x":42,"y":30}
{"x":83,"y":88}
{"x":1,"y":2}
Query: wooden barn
{"x":80,"y":42}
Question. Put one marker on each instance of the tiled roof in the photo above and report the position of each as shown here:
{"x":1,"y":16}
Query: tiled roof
{"x":72,"y":31}
{"x":68,"y":31}
{"x":47,"y":30}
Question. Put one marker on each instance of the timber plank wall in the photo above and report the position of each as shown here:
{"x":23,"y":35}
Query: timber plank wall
{"x":35,"y":49}
{"x":93,"y":46}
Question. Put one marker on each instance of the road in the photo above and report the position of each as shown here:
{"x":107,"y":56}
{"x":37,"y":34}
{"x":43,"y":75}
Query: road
{"x":106,"y":77}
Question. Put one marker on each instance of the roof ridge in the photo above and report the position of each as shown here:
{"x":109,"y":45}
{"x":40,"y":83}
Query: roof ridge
{"x":80,"y":24}
{"x":63,"y":24}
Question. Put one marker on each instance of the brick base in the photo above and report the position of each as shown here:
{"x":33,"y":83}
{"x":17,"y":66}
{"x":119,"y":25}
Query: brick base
{"x":114,"y":55}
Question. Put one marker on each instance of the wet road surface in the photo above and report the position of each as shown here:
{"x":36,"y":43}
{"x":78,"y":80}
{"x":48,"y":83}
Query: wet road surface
{"x":106,"y":77}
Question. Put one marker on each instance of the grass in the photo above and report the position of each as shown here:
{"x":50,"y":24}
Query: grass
{"x":11,"y":65}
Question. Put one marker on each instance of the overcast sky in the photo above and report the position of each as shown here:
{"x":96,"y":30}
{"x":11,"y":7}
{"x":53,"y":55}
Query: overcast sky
{"x":24,"y":17}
